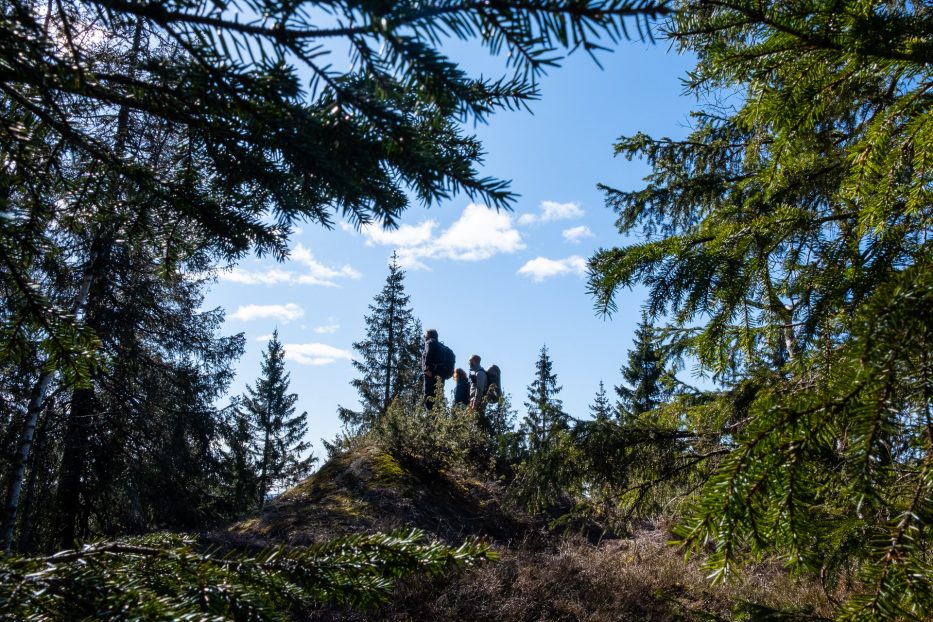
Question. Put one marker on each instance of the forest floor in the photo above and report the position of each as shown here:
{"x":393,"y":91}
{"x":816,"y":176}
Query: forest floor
{"x":541,"y":575}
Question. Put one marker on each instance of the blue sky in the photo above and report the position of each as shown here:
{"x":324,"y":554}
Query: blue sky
{"x":498,"y":284}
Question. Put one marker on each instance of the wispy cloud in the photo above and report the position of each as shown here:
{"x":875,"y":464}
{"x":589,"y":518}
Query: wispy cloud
{"x":404,"y":236}
{"x":315,"y":354}
{"x":264,"y":338}
{"x":480,"y":233}
{"x":329,"y":329}
{"x":549,"y":211}
{"x":318,"y":273}
{"x":541,"y":268}
{"x":281,"y":313}
{"x":575,"y":234}
{"x":315,"y":272}
{"x":274,"y":276}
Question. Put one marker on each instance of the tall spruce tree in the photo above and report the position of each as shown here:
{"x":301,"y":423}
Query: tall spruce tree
{"x":545,"y":411}
{"x":390,"y":355}
{"x":278,"y":433}
{"x":601,"y":408}
{"x":788,"y":238}
{"x":649,"y":384}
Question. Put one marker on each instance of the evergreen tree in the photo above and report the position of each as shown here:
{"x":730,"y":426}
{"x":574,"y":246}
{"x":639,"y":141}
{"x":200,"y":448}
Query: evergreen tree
{"x":787,"y":238}
{"x":278,"y":434}
{"x":545,"y":411}
{"x":238,"y":477}
{"x":649,"y":383}
{"x":601,"y":409}
{"x":132,"y":443}
{"x":500,"y":416}
{"x":389,"y":359}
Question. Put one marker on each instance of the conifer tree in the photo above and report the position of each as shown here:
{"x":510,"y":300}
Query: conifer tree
{"x":545,"y":411}
{"x":390,"y":355}
{"x":601,"y":408}
{"x":238,"y":480}
{"x":649,"y":384}
{"x":500,"y":416}
{"x":279,"y":434}
{"x":132,"y":445}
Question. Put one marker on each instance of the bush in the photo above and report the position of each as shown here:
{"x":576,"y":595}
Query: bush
{"x":435,"y":440}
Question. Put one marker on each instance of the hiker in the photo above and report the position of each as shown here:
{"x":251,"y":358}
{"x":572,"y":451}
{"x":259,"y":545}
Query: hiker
{"x":493,"y":384}
{"x":429,"y":361}
{"x":477,"y":385}
{"x":462,"y":390}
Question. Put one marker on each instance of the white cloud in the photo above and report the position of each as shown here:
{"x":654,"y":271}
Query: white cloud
{"x":281,"y":313}
{"x":318,"y":273}
{"x":329,"y":329}
{"x":541,"y":268}
{"x":479,"y":233}
{"x":404,"y":236}
{"x":575,"y":234}
{"x":264,"y":338}
{"x":315,"y":272}
{"x":552,"y":210}
{"x":314,"y":353}
{"x":256,"y":277}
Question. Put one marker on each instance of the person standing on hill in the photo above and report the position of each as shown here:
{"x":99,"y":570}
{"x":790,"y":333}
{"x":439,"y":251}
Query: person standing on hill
{"x":477,"y":385}
{"x":430,"y":358}
{"x":462,"y":390}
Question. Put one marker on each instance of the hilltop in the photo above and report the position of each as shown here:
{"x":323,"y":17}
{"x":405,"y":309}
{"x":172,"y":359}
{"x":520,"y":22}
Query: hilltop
{"x":541,"y":574}
{"x":369,"y":489}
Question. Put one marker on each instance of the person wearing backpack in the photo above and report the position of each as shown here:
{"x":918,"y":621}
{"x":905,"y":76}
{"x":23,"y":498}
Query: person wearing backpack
{"x":493,"y":385}
{"x":437,"y":365}
{"x":477,"y":385}
{"x":428,"y":364}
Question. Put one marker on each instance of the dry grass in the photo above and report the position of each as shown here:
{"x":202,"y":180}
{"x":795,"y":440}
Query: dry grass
{"x":637,"y":579}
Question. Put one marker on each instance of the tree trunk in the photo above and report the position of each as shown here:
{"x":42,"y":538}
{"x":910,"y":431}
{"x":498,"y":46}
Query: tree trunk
{"x":36,"y":403}
{"x":390,"y":355}
{"x":71,"y":478}
{"x":264,"y":472}
{"x":27,"y":521}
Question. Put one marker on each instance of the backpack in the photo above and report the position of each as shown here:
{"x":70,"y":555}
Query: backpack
{"x":493,"y":384}
{"x":446,"y":361}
